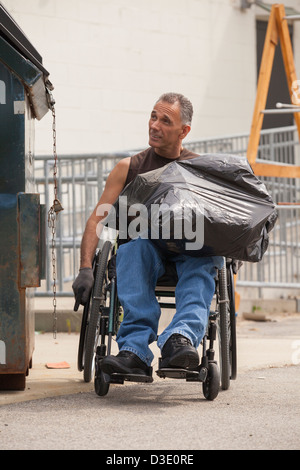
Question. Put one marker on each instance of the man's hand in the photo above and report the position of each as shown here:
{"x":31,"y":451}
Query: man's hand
{"x":82,"y":286}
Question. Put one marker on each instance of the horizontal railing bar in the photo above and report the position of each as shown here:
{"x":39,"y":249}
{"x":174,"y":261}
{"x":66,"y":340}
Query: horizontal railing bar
{"x":280,"y":111}
{"x":292,"y":17}
{"x":272,"y":162}
{"x":50,"y":294}
{"x":281,"y":285}
{"x":273,"y":285}
{"x":86,"y":156}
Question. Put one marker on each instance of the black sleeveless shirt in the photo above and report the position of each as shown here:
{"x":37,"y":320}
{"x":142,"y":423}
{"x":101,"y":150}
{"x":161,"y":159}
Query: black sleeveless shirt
{"x":149,"y":160}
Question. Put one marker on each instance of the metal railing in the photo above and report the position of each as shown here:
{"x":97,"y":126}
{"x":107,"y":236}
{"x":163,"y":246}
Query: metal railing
{"x":280,"y":267}
{"x":81,"y":179}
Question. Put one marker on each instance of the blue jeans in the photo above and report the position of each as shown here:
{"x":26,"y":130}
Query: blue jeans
{"x":139,"y":265}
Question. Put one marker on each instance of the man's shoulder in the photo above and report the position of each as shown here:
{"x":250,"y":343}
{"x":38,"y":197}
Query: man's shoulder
{"x":127,"y":161}
{"x":187,"y":154}
{"x":123,"y":163}
{"x":138,"y":158}
{"x":142,"y":153}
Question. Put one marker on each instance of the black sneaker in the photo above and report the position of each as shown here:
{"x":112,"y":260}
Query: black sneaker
{"x":178,"y":352}
{"x":125,"y":362}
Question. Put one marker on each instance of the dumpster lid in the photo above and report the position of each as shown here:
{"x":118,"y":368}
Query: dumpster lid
{"x":19,"y":55}
{"x":14,"y":35}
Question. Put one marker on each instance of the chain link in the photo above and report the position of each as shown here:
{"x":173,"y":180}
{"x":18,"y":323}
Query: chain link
{"x":53,"y":212}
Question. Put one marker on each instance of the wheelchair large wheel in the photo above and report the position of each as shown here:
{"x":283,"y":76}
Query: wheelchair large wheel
{"x":110,"y":319}
{"x":83,"y":329}
{"x":232,"y":319}
{"x":96,"y":303}
{"x":223,"y":330}
{"x":227,"y":329}
{"x":82,"y":337}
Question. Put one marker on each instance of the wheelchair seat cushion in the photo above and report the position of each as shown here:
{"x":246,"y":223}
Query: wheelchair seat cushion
{"x":170,"y":277}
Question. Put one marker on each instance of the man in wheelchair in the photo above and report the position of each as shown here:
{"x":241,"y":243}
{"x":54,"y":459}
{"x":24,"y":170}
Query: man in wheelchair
{"x":140,"y":263}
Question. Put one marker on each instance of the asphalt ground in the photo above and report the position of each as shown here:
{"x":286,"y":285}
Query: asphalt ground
{"x":261,"y":409}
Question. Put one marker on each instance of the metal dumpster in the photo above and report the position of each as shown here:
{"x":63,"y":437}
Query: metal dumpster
{"x":24,"y":95}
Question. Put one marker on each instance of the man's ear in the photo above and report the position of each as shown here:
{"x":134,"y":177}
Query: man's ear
{"x":185,"y":130}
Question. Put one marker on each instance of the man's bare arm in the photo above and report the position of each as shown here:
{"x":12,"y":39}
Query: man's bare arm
{"x":114,"y":185}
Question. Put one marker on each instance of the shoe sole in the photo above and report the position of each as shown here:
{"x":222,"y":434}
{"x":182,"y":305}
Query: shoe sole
{"x":112,"y":366}
{"x":183,"y":361}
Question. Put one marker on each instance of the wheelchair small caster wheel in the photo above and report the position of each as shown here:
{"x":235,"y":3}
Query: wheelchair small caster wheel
{"x":211,"y":385}
{"x":101,"y":384}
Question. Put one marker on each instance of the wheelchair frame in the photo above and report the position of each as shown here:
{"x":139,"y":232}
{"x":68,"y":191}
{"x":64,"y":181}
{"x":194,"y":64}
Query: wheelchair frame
{"x":102,"y":316}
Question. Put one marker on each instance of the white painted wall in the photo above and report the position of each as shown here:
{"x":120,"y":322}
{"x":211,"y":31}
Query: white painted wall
{"x":109,"y":60}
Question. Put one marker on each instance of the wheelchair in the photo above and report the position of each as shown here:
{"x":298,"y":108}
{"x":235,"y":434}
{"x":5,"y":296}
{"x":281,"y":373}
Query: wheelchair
{"x":102,"y":316}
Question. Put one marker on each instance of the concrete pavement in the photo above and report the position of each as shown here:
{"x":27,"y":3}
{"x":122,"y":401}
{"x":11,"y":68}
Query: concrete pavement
{"x":260,"y":411}
{"x":266,"y":344}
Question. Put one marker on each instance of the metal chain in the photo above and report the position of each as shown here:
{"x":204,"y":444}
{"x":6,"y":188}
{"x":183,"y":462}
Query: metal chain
{"x":53,"y":212}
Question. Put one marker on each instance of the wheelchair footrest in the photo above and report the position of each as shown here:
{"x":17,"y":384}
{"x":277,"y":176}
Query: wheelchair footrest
{"x":117,"y":378}
{"x":189,"y":375}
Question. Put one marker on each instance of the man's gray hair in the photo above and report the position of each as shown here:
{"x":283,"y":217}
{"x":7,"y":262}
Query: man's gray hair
{"x":186,"y":107}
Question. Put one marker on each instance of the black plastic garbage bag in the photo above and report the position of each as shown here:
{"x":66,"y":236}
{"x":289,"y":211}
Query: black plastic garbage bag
{"x":210,"y":205}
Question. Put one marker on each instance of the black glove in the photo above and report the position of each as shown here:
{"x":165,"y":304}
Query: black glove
{"x":236,"y":264}
{"x":82,"y":286}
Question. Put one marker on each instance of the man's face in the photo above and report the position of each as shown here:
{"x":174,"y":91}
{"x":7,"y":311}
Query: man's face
{"x":166,"y":130}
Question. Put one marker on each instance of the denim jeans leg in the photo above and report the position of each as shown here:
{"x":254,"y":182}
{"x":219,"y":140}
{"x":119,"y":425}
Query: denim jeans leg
{"x":194,"y":293}
{"x":138,"y":267}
